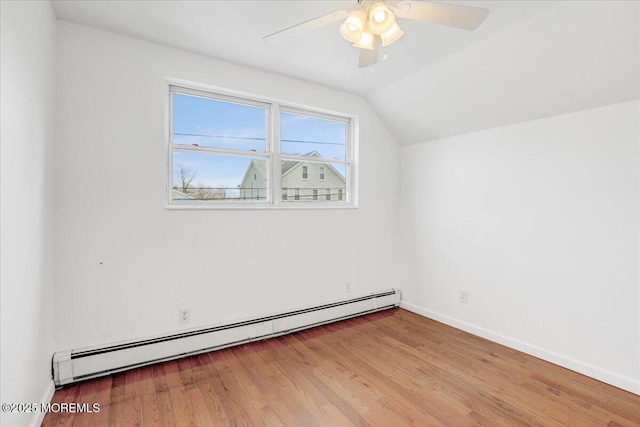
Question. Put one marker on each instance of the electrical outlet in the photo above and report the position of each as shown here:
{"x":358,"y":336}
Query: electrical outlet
{"x":184,"y":315}
{"x":347,"y":288}
{"x":464,"y":296}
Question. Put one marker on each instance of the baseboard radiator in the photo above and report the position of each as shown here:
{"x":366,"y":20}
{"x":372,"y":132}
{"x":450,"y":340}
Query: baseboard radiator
{"x":82,"y":364}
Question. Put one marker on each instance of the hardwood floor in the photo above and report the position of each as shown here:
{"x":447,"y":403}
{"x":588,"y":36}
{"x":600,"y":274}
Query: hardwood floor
{"x":392,"y":368}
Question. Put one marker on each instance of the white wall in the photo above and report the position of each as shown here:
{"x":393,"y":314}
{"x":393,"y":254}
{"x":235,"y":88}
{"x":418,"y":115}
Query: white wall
{"x":110,"y":190}
{"x":539,"y":221}
{"x":26,"y":135}
{"x":553,"y":63}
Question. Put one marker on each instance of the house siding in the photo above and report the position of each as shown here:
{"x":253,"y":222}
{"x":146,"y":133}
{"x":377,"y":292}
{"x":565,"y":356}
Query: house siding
{"x":333,"y":181}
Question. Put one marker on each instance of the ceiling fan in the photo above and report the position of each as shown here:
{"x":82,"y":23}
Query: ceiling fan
{"x":368,"y":26}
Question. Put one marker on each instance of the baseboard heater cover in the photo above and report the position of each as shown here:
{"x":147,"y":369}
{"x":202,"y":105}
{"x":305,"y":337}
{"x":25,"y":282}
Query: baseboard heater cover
{"x":77,"y":365}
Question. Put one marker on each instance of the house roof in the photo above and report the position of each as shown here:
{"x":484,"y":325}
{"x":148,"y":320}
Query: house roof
{"x":289,"y":165}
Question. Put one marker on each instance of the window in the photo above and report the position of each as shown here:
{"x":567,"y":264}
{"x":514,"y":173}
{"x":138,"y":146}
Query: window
{"x":222,"y":153}
{"x":319,"y":144}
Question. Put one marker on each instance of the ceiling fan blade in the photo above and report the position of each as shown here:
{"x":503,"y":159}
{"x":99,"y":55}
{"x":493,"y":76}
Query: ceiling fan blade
{"x":304,"y":27}
{"x":463,"y":17}
{"x":367,"y":57}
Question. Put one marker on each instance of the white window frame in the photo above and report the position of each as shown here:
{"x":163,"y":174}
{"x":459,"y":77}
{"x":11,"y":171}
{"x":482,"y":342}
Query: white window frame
{"x":271,"y":155}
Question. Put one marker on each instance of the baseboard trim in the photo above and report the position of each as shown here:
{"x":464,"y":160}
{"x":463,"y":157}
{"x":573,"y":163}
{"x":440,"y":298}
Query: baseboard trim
{"x":621,"y":381}
{"x":84,"y":363}
{"x":38,"y":417}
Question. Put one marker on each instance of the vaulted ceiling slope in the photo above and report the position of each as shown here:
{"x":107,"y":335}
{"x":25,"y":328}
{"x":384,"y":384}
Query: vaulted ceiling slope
{"x":575,"y":56}
{"x":234,"y":31}
{"x":528,"y":60}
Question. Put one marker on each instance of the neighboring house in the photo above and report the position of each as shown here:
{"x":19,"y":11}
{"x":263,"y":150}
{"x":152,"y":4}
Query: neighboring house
{"x":254,"y":183}
{"x":304,"y":181}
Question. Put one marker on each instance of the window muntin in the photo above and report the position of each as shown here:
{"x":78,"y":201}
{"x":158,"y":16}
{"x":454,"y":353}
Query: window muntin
{"x":215,"y":136}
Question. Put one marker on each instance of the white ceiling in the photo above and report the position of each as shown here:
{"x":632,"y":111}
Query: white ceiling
{"x":233,"y":31}
{"x":528,"y":60}
{"x":576,"y":56}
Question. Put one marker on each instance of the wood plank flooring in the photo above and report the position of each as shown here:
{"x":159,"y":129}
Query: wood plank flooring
{"x":392,"y":368}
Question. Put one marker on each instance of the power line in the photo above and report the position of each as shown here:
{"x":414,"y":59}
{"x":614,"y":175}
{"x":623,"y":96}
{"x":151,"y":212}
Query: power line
{"x":253,"y":138}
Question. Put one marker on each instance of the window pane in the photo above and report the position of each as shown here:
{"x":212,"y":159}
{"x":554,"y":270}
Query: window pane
{"x":203,"y":176}
{"x":304,"y":135}
{"x":210,"y":123}
{"x":313,"y":188}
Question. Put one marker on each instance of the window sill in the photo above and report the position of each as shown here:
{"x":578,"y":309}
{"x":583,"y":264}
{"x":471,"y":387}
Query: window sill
{"x":262,"y":206}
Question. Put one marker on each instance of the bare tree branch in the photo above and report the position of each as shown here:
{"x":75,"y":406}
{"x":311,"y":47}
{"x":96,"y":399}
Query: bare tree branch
{"x":186,"y":176}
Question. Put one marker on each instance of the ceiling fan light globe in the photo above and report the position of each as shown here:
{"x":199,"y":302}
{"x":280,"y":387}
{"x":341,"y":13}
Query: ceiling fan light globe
{"x":352,"y":27}
{"x":381,"y":19}
{"x":357,"y":18}
{"x":392,"y":35}
{"x":350,"y":33}
{"x":379,"y":16}
{"x":365,"y":42}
